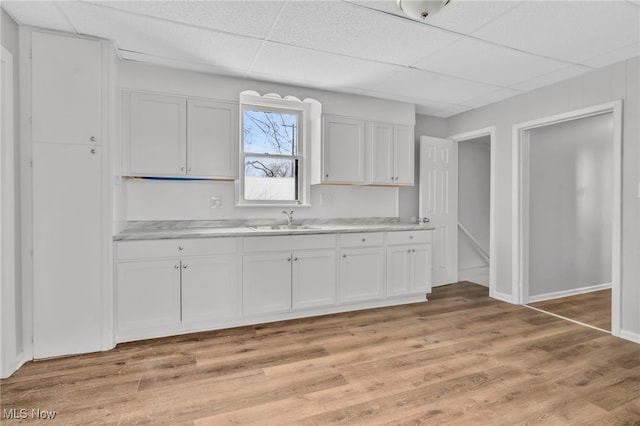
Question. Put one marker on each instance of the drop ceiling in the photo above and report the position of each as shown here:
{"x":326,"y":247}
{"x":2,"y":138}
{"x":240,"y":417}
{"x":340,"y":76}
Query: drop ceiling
{"x":471,"y":54}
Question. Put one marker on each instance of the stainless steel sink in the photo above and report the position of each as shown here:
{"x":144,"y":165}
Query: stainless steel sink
{"x":281,"y":227}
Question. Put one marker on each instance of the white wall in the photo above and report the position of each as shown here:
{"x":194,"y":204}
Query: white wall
{"x":474,"y":178}
{"x":189,"y":200}
{"x":618,"y":81}
{"x":10,"y":42}
{"x":570,"y":205}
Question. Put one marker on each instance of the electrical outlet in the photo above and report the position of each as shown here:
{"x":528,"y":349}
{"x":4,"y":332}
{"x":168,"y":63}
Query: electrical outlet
{"x":216,"y":202}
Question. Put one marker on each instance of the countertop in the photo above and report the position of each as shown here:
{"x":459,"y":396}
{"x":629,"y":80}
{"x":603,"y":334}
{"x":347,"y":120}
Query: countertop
{"x":158,"y":230}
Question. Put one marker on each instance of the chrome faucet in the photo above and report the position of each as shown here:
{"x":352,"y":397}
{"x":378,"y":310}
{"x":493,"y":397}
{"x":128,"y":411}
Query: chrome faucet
{"x":289,"y":216}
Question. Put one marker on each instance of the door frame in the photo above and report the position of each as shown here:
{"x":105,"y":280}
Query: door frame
{"x":520,"y":197}
{"x":474,"y":134}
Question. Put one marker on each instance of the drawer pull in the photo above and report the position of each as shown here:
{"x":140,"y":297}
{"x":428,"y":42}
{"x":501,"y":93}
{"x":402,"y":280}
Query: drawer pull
{"x":180,"y":248}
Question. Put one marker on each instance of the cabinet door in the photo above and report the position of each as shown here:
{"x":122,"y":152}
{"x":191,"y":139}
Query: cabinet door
{"x":66,"y":99}
{"x":212,"y":147}
{"x":314,"y":278}
{"x":404,"y":153}
{"x":67,"y":249}
{"x":361,"y":275}
{"x":266,"y":283}
{"x":343,"y":150}
{"x":382,"y":170}
{"x":147,"y":297}
{"x":421,"y":269}
{"x":157,"y":135}
{"x":399,"y":272}
{"x":209,"y":288}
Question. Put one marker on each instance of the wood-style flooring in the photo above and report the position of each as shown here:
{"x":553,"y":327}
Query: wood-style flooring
{"x":590,"y":308}
{"x":459,"y":359}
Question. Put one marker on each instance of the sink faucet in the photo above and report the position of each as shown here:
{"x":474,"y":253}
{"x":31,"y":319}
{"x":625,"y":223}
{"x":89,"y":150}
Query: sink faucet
{"x":289,"y":216}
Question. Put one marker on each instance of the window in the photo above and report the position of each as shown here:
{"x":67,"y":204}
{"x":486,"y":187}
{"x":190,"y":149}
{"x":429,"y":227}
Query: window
{"x":270,"y":143}
{"x":273,"y":149}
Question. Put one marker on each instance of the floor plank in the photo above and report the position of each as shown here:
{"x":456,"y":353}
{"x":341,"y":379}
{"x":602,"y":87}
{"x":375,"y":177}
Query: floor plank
{"x":461,"y":359}
{"x":592,"y":308}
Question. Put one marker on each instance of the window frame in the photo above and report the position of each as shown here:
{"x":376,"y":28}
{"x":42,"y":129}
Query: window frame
{"x":277,"y":105}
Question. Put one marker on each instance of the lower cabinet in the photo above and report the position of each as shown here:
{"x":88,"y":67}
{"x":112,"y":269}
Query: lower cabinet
{"x":408,"y":263}
{"x":301,"y":277}
{"x":361,"y":273}
{"x":197,"y":287}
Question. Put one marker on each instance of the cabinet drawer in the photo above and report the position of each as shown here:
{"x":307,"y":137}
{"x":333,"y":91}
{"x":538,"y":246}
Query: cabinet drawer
{"x":171,"y":248}
{"x":289,"y":242}
{"x":362,"y":239}
{"x":408,"y":237}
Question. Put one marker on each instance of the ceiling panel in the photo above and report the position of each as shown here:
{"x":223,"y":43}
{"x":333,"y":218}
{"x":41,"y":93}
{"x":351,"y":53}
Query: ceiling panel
{"x":343,"y":28}
{"x":318,"y":69}
{"x":550,"y":78}
{"x":161,"y":38}
{"x":45,"y":14}
{"x":487,"y":63}
{"x":614,"y":56}
{"x":491,"y":97}
{"x":451,"y":110}
{"x":250,"y":18}
{"x":571,"y":30}
{"x":427,"y":85}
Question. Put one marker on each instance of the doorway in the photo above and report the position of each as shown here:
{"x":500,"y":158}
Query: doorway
{"x":567,"y":207}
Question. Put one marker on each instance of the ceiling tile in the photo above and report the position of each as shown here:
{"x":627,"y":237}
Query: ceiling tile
{"x":487,"y":63}
{"x":43,"y":14}
{"x":339,"y":27}
{"x":619,"y":55}
{"x":427,"y":85}
{"x":553,"y":77}
{"x":451,"y":110}
{"x":490,"y":98}
{"x":318,"y":69}
{"x":467,"y":16}
{"x":161,"y":38}
{"x":250,"y":18}
{"x":570,"y":30}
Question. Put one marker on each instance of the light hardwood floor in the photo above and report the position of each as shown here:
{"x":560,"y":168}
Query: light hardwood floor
{"x":460,"y":359}
{"x":592,"y":308}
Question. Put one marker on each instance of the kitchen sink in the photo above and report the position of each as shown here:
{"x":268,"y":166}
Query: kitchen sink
{"x":281,"y":227}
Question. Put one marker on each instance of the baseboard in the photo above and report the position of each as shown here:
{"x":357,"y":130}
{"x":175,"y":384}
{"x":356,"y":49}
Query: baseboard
{"x":476,"y":275}
{"x":630,"y":335}
{"x":566,"y":293}
{"x":501,"y":296}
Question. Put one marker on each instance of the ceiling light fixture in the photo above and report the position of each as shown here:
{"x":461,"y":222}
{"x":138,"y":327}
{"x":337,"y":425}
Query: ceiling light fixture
{"x":421,"y":9}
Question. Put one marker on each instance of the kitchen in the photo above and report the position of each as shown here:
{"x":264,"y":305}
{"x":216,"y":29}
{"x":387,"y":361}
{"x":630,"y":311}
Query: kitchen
{"x":125,"y":198}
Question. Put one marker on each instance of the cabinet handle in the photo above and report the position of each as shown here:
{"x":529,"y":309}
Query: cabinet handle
{"x":182,"y":169}
{"x":411,"y":237}
{"x":295,"y":259}
{"x":92,"y":138}
{"x":180,"y":248}
{"x":409,"y":251}
{"x":327,"y":175}
{"x":344,"y":255}
{"x":413,"y":250}
{"x":289,"y":260}
{"x":93,"y":151}
{"x":184,"y":266}
{"x":177,"y":266}
{"x":364,"y":239}
{"x":189,"y":169}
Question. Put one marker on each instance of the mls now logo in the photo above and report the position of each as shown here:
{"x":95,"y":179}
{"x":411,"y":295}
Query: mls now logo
{"x":23,"y":413}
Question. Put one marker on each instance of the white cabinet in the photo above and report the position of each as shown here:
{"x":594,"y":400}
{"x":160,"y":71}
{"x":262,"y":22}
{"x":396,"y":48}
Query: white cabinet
{"x":300,"y":276}
{"x":168,"y":286}
{"x":361,"y":270}
{"x":343,"y":150}
{"x":391,"y":154}
{"x":66,"y":89}
{"x":408,"y":263}
{"x":177,"y":136}
{"x":65,"y":93}
{"x":68,"y":248}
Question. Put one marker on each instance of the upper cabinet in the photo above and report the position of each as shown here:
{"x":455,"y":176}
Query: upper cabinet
{"x":178,"y":136}
{"x":343,"y":150}
{"x":391,"y":154}
{"x":66,"y":89}
{"x":360,"y":152}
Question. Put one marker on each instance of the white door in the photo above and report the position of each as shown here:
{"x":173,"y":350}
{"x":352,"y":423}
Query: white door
{"x":67,"y":249}
{"x":439,"y":203}
{"x":212,"y":148}
{"x":66,"y":89}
